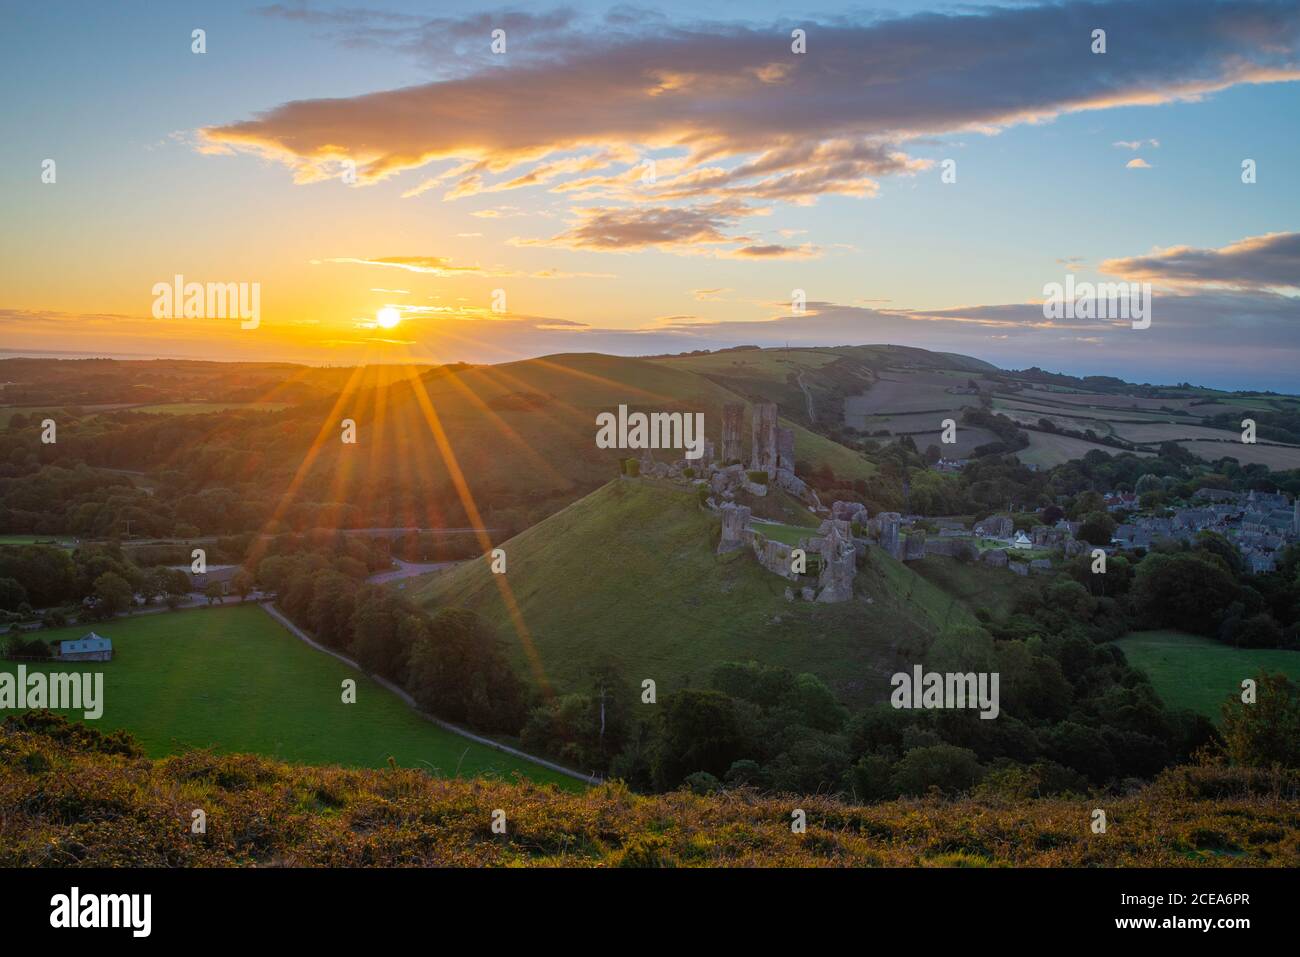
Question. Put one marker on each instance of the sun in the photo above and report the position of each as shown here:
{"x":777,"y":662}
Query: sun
{"x":388,"y":317}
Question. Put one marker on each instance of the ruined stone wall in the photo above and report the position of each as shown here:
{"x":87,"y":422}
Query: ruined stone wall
{"x":785,"y":449}
{"x":915,"y":547}
{"x":735,"y":527}
{"x":764,"y":436}
{"x":732,"y":416}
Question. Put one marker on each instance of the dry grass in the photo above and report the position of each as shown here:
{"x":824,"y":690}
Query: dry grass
{"x":67,"y":804}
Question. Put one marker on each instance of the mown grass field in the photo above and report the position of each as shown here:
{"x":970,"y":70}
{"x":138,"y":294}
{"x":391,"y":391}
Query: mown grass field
{"x":1199,"y":674}
{"x":234,"y":680}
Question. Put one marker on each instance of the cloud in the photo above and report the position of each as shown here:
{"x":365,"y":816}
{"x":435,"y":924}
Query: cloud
{"x":1136,"y":144}
{"x":443,"y":267}
{"x":736,"y":91}
{"x":1270,"y":261}
{"x":1137,"y":163}
{"x":623,"y":230}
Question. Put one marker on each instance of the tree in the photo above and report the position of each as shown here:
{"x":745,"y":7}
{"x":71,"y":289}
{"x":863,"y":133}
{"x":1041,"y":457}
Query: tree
{"x":1266,"y":733}
{"x":1188,"y":591}
{"x":1085,"y":503}
{"x":1097,"y":529}
{"x":697,"y":731}
{"x":215,"y":591}
{"x":12,"y":594}
{"x":242,"y":584}
{"x":457,"y":670}
{"x":112,"y":595}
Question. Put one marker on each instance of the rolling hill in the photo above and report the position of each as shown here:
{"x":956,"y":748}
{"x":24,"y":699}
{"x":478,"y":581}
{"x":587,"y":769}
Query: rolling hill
{"x":628,"y":574}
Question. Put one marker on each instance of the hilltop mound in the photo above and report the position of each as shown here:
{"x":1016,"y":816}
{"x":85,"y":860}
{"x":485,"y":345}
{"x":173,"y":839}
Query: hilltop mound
{"x":80,"y":801}
{"x":628,"y":574}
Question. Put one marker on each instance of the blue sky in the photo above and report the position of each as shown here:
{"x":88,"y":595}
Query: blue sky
{"x":212,"y":166}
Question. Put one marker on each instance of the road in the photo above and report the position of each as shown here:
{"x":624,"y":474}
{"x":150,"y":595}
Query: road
{"x":407,"y":570}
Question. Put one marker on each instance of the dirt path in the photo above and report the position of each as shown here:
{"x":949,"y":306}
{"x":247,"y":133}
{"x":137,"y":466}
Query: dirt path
{"x":402,"y":693}
{"x":807,"y":394}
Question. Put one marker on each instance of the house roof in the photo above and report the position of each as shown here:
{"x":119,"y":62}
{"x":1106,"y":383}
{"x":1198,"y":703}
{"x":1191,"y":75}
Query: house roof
{"x":89,"y":642}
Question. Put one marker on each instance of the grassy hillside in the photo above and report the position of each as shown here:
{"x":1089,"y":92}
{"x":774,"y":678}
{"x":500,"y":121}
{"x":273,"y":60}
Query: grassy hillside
{"x":71,"y":805}
{"x":233,"y":679}
{"x":629,"y":574}
{"x":1192,"y":672}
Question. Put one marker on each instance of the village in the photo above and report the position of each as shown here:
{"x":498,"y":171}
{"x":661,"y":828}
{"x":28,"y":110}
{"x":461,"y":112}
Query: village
{"x":1259,"y":524}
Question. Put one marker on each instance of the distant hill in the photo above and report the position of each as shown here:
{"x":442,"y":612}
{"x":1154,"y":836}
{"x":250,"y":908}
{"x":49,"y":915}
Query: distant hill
{"x":520,"y":434}
{"x":628,"y":574}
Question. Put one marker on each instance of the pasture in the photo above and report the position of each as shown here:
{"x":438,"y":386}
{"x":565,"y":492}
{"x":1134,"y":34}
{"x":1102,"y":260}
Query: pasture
{"x":1199,"y":674}
{"x":234,"y":680}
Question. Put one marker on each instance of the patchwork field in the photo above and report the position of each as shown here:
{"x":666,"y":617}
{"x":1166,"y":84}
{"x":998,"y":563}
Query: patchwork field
{"x":1105,"y":401}
{"x":969,"y":438}
{"x":1046,"y":449}
{"x":897,"y":392}
{"x":234,"y":680}
{"x":1280,"y":457}
{"x":1199,"y":674}
{"x":1170,"y":432}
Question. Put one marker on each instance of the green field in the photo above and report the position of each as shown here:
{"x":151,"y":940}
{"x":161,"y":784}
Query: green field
{"x":233,"y":679}
{"x":1192,"y":672}
{"x":34,"y":539}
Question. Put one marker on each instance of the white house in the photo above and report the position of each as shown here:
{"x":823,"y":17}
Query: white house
{"x":90,"y":647}
{"x":1022,"y":541}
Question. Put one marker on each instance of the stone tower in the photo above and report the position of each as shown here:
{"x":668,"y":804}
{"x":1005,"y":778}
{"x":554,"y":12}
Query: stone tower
{"x":764,"y":434}
{"x":785,"y":449}
{"x":889,"y":533}
{"x":732,"y":414}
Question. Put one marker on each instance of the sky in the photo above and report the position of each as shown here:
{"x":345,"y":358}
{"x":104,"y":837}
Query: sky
{"x":631,"y":180}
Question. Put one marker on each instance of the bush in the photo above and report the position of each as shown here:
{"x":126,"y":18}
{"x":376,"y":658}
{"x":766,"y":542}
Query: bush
{"x":702,"y":782}
{"x":943,"y":766}
{"x":631,"y":468}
